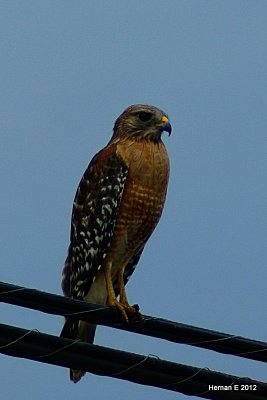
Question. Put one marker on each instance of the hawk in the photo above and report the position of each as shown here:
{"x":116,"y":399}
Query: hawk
{"x":117,"y":206}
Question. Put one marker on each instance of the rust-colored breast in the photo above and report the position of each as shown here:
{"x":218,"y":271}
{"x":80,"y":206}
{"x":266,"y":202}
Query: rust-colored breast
{"x":143,"y":196}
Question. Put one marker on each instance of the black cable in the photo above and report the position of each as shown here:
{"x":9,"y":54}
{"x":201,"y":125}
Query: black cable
{"x":155,"y":327}
{"x":146,"y":370}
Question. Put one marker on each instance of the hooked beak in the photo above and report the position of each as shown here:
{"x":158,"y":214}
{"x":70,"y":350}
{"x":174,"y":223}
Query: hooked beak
{"x":166,"y":126}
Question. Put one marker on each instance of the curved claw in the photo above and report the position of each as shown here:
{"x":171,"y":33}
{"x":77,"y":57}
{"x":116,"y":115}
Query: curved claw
{"x":129,"y":313}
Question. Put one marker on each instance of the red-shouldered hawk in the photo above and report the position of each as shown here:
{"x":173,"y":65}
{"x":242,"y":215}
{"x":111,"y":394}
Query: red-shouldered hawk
{"x":117,"y":205}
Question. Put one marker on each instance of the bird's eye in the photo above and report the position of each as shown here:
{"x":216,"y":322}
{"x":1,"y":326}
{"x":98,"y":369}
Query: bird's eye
{"x":144,"y":116}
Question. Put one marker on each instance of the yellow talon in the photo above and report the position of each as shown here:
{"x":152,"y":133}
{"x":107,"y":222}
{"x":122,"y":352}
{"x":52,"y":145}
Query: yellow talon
{"x":122,"y":306}
{"x":114,"y":303}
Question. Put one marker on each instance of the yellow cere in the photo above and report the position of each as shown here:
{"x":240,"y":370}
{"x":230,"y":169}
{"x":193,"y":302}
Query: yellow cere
{"x":164,"y":119}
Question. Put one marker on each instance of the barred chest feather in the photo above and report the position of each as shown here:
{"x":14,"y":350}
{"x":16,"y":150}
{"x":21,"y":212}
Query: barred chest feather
{"x":148,"y":163}
{"x":143,"y":197}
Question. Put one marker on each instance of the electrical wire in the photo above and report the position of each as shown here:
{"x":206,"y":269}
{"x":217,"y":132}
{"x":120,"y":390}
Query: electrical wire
{"x":141,"y":369}
{"x":152,"y":326}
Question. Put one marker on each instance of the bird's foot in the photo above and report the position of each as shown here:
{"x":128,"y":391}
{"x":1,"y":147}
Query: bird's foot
{"x":129,"y":313}
{"x":136,"y":316}
{"x":133,"y":313}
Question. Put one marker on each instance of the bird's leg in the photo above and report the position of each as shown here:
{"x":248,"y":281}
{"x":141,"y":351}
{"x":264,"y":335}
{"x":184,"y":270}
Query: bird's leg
{"x":123,"y":297}
{"x":122,"y":292}
{"x":111,"y":298}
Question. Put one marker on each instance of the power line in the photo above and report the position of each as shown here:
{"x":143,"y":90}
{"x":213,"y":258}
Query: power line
{"x":155,"y":327}
{"x":146,"y":370}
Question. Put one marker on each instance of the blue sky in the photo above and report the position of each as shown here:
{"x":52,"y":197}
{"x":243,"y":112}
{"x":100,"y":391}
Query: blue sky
{"x":67,"y":71}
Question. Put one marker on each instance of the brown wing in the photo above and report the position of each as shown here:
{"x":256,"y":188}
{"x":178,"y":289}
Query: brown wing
{"x":93,"y":219}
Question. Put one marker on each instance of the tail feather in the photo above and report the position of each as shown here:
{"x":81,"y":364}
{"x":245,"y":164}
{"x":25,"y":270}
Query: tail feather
{"x":78,"y":330}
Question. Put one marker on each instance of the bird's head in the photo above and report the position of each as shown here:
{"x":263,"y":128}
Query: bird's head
{"x":142,"y":121}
